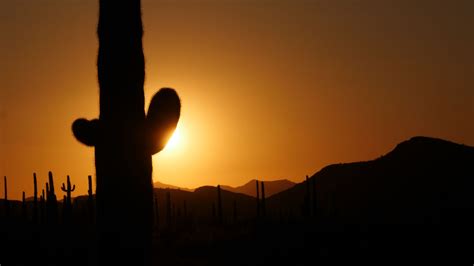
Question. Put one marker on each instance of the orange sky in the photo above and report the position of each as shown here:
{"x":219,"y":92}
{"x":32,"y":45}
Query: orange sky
{"x":270,"y":88}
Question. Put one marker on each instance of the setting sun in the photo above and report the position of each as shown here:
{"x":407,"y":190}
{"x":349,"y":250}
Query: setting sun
{"x":175,"y":142}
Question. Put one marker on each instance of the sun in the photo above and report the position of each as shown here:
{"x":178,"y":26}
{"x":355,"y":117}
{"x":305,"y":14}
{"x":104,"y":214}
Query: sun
{"x":175,"y":141}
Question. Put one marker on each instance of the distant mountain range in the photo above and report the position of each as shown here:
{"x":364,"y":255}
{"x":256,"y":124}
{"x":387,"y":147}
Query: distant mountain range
{"x":271,"y":187}
{"x":163,"y":185}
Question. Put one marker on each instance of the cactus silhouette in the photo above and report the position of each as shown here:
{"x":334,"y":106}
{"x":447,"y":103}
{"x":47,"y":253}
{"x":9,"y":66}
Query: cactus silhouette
{"x":51,"y":201}
{"x":168,"y":209}
{"x":42,"y":208}
{"x":124,"y":137}
{"x":68,"y":202}
{"x":258,"y":199}
{"x":90,"y":200}
{"x":263,"y":199}
{"x":23,"y":206}
{"x":6,"y":202}
{"x":68,"y":189}
{"x":35,"y":199}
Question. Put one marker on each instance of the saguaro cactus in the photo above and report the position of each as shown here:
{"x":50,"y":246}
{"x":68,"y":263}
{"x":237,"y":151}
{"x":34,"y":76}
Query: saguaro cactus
{"x":258,"y":199}
{"x":90,"y":199}
{"x":68,"y":189}
{"x":6,"y":202}
{"x":51,"y":201}
{"x":124,"y":137}
{"x":263,"y":199}
{"x":35,"y":199}
{"x":23,"y":206}
{"x":42,"y":208}
{"x":68,"y":202}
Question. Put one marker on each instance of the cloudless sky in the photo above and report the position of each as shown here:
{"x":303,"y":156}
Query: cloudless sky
{"x":270,"y":88}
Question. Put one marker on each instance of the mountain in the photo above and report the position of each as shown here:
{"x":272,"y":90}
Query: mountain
{"x":162,"y":185}
{"x":422,"y":180}
{"x":201,"y":202}
{"x":271,"y":187}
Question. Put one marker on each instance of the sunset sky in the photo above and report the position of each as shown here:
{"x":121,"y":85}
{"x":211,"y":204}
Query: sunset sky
{"x":270,"y":89}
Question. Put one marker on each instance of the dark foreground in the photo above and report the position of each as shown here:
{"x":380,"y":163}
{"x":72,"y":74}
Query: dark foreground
{"x":251,"y":243}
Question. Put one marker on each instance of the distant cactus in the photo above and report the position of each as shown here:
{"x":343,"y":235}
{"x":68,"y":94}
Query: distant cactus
{"x":6,"y":202}
{"x":263,"y":200}
{"x":90,"y":200}
{"x":23,"y":206}
{"x":42,"y":208}
{"x":258,"y":199}
{"x":47,"y":191}
{"x":67,"y":200}
{"x":35,"y":199}
{"x":68,"y":189}
{"x":51,"y":200}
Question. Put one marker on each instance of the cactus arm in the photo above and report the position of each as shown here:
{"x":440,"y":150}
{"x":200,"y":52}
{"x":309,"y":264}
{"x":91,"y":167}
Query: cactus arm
{"x":73,"y":188}
{"x":162,"y":118}
{"x":86,"y":131}
{"x":63,"y":188}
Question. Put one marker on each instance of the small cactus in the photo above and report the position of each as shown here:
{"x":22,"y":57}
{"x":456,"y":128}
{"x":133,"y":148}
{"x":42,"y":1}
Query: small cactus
{"x":90,"y":200}
{"x":67,"y":199}
{"x":23,"y":206}
{"x":51,"y":202}
{"x":258,"y":199}
{"x":42,"y":207}
{"x":263,"y":199}
{"x":35,"y":199}
{"x":68,"y":189}
{"x":7,"y":203}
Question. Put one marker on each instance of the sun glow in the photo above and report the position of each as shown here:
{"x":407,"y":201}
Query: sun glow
{"x":175,"y":141}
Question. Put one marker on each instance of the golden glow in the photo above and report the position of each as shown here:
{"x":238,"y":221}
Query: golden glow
{"x":175,"y":142}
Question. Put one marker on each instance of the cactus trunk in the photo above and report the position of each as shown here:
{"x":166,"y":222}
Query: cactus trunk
{"x":124,"y":138}
{"x":90,"y":200}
